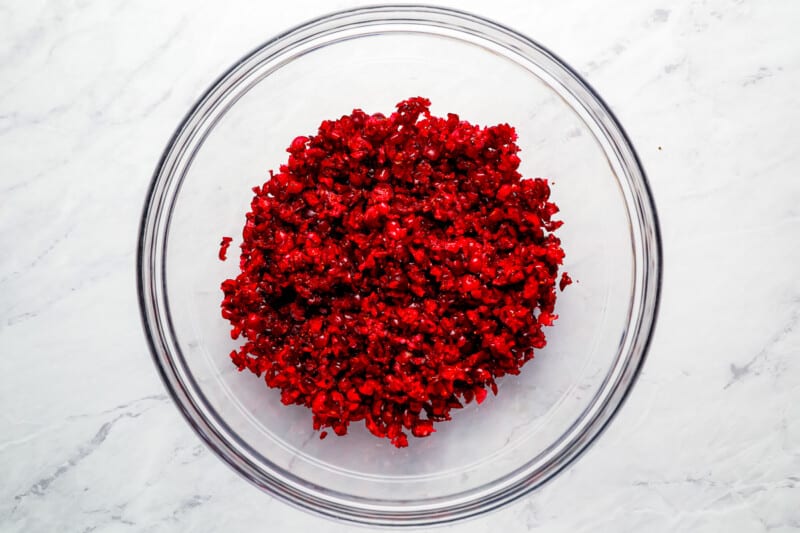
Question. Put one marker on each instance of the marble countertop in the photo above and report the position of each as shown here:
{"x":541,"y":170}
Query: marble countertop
{"x":90,"y":93}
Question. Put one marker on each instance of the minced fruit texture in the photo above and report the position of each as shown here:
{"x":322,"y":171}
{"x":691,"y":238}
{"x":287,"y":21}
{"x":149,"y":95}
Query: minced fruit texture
{"x":393,"y":269}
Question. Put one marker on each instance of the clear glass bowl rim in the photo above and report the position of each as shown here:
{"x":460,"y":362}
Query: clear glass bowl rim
{"x":222,"y":441}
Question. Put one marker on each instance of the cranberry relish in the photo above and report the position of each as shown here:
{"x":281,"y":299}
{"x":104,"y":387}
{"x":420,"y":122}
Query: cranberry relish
{"x":393,"y":269}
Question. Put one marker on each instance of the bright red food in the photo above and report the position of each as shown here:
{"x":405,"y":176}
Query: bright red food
{"x":393,"y":269}
{"x":223,"y":248}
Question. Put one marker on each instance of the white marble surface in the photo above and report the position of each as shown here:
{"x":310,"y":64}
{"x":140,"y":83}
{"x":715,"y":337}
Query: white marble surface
{"x":708,"y":91}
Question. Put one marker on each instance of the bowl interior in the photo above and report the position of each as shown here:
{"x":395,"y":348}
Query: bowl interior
{"x":373,"y":71}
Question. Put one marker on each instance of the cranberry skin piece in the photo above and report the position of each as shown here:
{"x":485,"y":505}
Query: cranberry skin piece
{"x":223,"y":248}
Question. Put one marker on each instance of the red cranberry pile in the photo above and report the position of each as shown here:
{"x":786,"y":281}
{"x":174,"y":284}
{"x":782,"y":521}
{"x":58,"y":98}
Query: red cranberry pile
{"x":393,"y":269}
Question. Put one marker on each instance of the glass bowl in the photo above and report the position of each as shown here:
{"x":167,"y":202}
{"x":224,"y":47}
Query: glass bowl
{"x":371,"y":58}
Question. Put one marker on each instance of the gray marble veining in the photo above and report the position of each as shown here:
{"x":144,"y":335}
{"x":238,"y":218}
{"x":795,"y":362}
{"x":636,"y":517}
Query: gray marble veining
{"x":707,"y":90}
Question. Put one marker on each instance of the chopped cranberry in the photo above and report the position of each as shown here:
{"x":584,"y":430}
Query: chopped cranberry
{"x":565,"y":280}
{"x":393,"y":269}
{"x":223,"y":247}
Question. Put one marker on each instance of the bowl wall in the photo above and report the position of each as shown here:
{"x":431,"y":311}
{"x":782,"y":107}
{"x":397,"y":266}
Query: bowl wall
{"x":372,"y":59}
